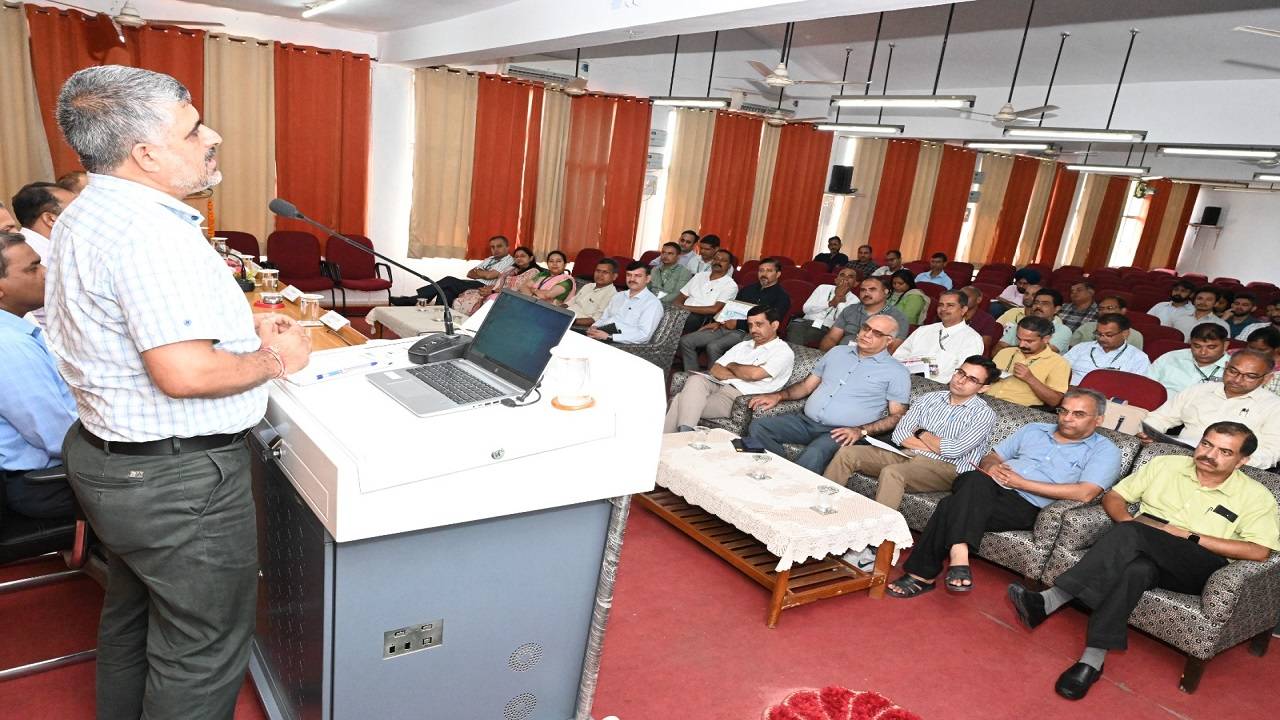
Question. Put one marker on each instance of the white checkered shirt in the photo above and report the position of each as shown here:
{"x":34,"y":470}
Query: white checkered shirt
{"x":130,"y":271}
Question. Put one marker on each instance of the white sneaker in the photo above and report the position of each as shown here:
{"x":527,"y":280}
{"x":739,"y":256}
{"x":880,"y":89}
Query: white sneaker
{"x":864,"y":559}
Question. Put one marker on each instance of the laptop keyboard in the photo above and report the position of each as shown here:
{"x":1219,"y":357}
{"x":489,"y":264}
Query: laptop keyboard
{"x":455,"y":383}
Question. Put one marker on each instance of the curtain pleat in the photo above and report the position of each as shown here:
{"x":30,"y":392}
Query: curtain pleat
{"x":504,"y":182}
{"x":765,"y":166}
{"x":25,"y":157}
{"x":443,"y":153}
{"x":1057,"y":214}
{"x":1013,"y":213}
{"x":553,"y":147}
{"x":1153,"y":217}
{"x":996,"y":170}
{"x":1086,"y":218}
{"x":792,"y":228}
{"x":854,"y":221}
{"x":950,"y":197}
{"x":240,"y":88}
{"x":1037,"y":209}
{"x":687,"y":172}
{"x":1184,"y":219}
{"x":731,"y":178}
{"x":1107,"y":224}
{"x":1168,"y":225}
{"x":922,"y":186}
{"x":64,"y":41}
{"x":624,"y":191}
{"x":586,"y":168}
{"x":893,"y":196}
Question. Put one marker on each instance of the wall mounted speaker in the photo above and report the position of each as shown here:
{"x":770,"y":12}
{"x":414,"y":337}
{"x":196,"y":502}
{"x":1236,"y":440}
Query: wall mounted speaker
{"x":1210,"y":215}
{"x":841,"y":179}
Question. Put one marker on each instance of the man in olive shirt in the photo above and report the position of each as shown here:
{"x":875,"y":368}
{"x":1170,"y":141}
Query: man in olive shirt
{"x":1032,"y":373}
{"x":874,"y":294}
{"x":668,"y":275}
{"x":1195,"y":514}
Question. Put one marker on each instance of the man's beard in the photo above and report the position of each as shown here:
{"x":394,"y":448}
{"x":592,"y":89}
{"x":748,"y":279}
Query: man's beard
{"x":203,"y":181}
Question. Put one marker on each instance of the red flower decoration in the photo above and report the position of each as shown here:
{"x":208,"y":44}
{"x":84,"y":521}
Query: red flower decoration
{"x":837,"y":703}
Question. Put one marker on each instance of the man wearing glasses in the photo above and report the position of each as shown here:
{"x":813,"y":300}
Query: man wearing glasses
{"x":1031,"y":373}
{"x":854,"y":391}
{"x":874,"y":296}
{"x":1239,"y":398}
{"x":1045,"y":304}
{"x":1107,"y":305}
{"x":1110,"y":350}
{"x":945,"y":344}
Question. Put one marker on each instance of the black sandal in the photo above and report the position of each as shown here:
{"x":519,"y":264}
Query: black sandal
{"x":908,"y":587}
{"x":958,"y":574}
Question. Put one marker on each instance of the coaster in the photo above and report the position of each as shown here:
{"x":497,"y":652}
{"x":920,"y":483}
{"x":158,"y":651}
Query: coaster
{"x":555,"y":403}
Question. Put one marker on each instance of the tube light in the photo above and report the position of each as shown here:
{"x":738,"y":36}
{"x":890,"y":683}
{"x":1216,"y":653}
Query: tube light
{"x":996,"y":145}
{"x":315,"y":8}
{"x":1266,"y":177}
{"x":1111,"y":169}
{"x":1221,"y":152}
{"x":1152,"y":178}
{"x":1211,"y":183}
{"x":692,"y":102}
{"x":857,"y":129}
{"x":903,"y":101}
{"x":1098,"y":134}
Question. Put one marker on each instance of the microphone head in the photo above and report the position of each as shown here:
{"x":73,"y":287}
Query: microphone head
{"x":284,"y":208}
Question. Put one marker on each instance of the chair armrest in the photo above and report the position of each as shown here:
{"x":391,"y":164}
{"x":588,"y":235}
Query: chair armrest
{"x":1082,"y":526}
{"x":331,"y":270}
{"x":378,"y":267}
{"x":57,"y":473}
{"x":678,"y":380}
{"x":1254,"y":586}
{"x":1049,"y":521}
{"x":786,"y":407}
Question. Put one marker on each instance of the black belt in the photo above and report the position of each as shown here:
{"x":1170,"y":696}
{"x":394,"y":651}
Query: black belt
{"x":166,"y":446}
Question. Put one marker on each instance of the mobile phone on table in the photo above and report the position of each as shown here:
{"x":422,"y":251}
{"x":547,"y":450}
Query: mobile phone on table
{"x":747,"y":444}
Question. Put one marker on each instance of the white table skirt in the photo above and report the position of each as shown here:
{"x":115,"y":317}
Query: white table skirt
{"x":410,"y":321}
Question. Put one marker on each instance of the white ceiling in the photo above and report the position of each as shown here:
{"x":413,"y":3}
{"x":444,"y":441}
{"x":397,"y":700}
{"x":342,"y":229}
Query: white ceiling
{"x":369,"y":15}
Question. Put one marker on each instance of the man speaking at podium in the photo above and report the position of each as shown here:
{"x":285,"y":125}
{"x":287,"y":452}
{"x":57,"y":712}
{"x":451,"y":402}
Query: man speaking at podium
{"x":167,"y":365}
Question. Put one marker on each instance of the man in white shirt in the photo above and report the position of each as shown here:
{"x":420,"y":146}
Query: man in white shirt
{"x":688,"y":239}
{"x":1202,"y":312}
{"x":1240,"y":397}
{"x":1179,"y":303}
{"x":701,"y":261}
{"x":37,"y":206}
{"x":893,"y":263}
{"x":1107,"y":305}
{"x":1203,"y":362}
{"x":944,"y":345}
{"x":631,"y":316}
{"x":822,"y":308}
{"x":760,"y":364}
{"x":485,"y":273}
{"x":705,"y":295}
{"x":1012,"y":295}
{"x":1110,"y":350}
{"x":589,"y":304}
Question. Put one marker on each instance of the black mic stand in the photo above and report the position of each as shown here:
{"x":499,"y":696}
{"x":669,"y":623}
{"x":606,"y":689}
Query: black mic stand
{"x":242,"y":279}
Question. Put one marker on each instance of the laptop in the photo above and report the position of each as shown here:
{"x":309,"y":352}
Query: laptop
{"x":505,"y":360}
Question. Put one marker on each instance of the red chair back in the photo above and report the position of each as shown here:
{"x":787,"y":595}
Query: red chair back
{"x":1135,"y":389}
{"x":1156,"y":348}
{"x":786,"y":261}
{"x":649,"y":255}
{"x":295,"y":252}
{"x":961,"y":273}
{"x":798,"y":291}
{"x":813,"y":267}
{"x":354,"y":264}
{"x":1163,"y":333}
{"x":242,"y":242}
{"x":748,"y":269}
{"x":584,"y":264}
{"x":917,"y":266}
{"x":823,"y":279}
{"x":1142,"y":321}
{"x":623,"y":261}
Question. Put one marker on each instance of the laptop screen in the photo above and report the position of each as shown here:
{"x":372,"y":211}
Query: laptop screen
{"x":517,"y":336}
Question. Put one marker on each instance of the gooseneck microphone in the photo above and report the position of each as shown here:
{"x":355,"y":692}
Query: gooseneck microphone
{"x":242,"y":278}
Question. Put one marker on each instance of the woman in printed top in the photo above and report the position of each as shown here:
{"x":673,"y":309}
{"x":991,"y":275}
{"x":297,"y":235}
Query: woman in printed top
{"x":555,"y":285}
{"x":912,"y":302}
{"x":524,"y":269}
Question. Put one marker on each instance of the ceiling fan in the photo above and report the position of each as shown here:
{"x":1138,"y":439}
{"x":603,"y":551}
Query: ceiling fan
{"x":124,"y":14}
{"x":1007,"y":114}
{"x":779,"y":76}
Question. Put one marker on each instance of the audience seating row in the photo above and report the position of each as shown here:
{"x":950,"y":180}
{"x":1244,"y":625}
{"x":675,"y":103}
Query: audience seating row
{"x":297,"y":255}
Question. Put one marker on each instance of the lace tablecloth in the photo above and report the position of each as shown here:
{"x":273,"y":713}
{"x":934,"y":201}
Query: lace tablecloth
{"x":775,"y":511}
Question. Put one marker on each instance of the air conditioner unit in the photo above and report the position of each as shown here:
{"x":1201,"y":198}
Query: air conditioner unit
{"x":537,"y":75}
{"x":767,"y":109}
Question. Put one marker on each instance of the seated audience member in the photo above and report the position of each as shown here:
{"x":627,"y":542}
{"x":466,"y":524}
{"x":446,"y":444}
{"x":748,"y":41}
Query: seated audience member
{"x":1195,"y":515}
{"x":1273,"y":321}
{"x":589,"y":304}
{"x":1179,"y":303}
{"x":1082,"y":308}
{"x":556,"y":285}
{"x":978,"y":319}
{"x":1267,"y":341}
{"x":1012,"y":295}
{"x":1110,"y":351}
{"x":706,"y":293}
{"x":708,"y":246}
{"x":1038,"y":464}
{"x":524,"y":269}
{"x":1240,"y":315}
{"x":632,"y":315}
{"x":822,"y":307}
{"x":1013,"y":315}
{"x":846,"y":398}
{"x":717,"y":336}
{"x":686,"y":251}
{"x":37,"y":207}
{"x":36,"y":408}
{"x":1045,"y":304}
{"x":74,"y":181}
{"x":1203,"y":362}
{"x":865,"y":265}
{"x":1031,"y":373}
{"x":668,"y":274}
{"x":904,"y":295}
{"x":935,"y":274}
{"x":893,"y":264}
{"x":760,"y":364}
{"x":1202,"y":312}
{"x":1240,"y":398}
{"x":7,"y":223}
{"x":945,"y":344}
{"x":1107,"y":305}
{"x":1222,"y":308}
{"x":485,"y":273}
{"x":833,"y":257}
{"x":874,"y":296}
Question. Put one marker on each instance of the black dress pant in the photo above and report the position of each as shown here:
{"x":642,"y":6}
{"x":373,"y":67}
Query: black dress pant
{"x":451,"y":286}
{"x":48,"y":500}
{"x":976,"y":505}
{"x":1128,"y":560}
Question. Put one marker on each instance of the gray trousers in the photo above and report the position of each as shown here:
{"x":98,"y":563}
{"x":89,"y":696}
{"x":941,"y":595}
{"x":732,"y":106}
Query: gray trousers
{"x":699,"y":398}
{"x":181,"y":539}
{"x":715,"y":342}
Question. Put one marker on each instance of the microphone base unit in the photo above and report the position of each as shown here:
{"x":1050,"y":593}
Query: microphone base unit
{"x":246,"y":285}
{"x":437,"y":347}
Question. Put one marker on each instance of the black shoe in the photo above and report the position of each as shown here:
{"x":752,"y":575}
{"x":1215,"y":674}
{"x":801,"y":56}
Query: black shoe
{"x":1074,"y":683}
{"x":404,"y":300}
{"x":1030,"y":605}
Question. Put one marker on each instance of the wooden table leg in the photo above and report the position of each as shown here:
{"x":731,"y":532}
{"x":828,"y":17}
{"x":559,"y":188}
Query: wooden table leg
{"x":884,"y":561}
{"x":779,"y":591}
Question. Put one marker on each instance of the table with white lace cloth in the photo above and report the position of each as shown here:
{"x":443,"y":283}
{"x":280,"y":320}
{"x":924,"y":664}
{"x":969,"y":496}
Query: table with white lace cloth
{"x":775,"y":511}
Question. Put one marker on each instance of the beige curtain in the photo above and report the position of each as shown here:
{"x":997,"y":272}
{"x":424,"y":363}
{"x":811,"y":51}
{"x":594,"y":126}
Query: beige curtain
{"x":913,"y":232}
{"x":553,"y":148}
{"x":854,"y":223}
{"x":1169,"y":225}
{"x":1095,"y":186}
{"x":687,"y":172}
{"x":239,"y":92}
{"x":986,"y":214}
{"x":1036,"y":209}
{"x":443,"y":158}
{"x":24,"y":149}
{"x":764,"y":188}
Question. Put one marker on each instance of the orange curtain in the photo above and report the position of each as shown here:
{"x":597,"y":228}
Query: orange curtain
{"x":731,"y":178}
{"x":64,"y":41}
{"x":893,"y":197}
{"x":1055,"y":222}
{"x":950,"y":197}
{"x":322,"y":135}
{"x":1013,"y":213}
{"x":1184,"y":219}
{"x":624,"y":184}
{"x":1156,"y":206}
{"x":791,"y":229}
{"x":504,"y":184}
{"x":1104,"y":231}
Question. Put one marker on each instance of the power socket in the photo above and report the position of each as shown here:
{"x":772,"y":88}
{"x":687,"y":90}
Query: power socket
{"x":412,"y":638}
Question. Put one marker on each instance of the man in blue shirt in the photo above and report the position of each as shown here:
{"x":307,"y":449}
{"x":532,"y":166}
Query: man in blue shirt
{"x":936,"y":273}
{"x":1033,"y":467}
{"x":854,"y":391}
{"x":36,"y":408}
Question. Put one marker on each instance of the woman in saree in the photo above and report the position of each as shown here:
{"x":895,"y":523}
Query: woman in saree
{"x":556,"y":286}
{"x":524,"y":269}
{"x":903,"y":295}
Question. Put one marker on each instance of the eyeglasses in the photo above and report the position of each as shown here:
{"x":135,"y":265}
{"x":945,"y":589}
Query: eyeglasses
{"x":969,"y":378}
{"x":1107,"y":336}
{"x":1077,"y":414}
{"x":1254,"y":377}
{"x":874,"y":332}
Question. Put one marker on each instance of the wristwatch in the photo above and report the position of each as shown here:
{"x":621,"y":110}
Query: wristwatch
{"x":1194,"y":538}
{"x":918,"y":433}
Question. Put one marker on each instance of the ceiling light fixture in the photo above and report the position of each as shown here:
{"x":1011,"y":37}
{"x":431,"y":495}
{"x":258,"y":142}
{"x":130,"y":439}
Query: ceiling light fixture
{"x":1220,"y":152}
{"x":692,"y":102}
{"x":315,"y":8}
{"x":996,"y":145}
{"x":1088,"y":134}
{"x":903,"y":101}
{"x":862,"y":129}
{"x":1266,"y":177}
{"x":1211,"y":183}
{"x":1110,"y":169}
{"x":1151,"y":178}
